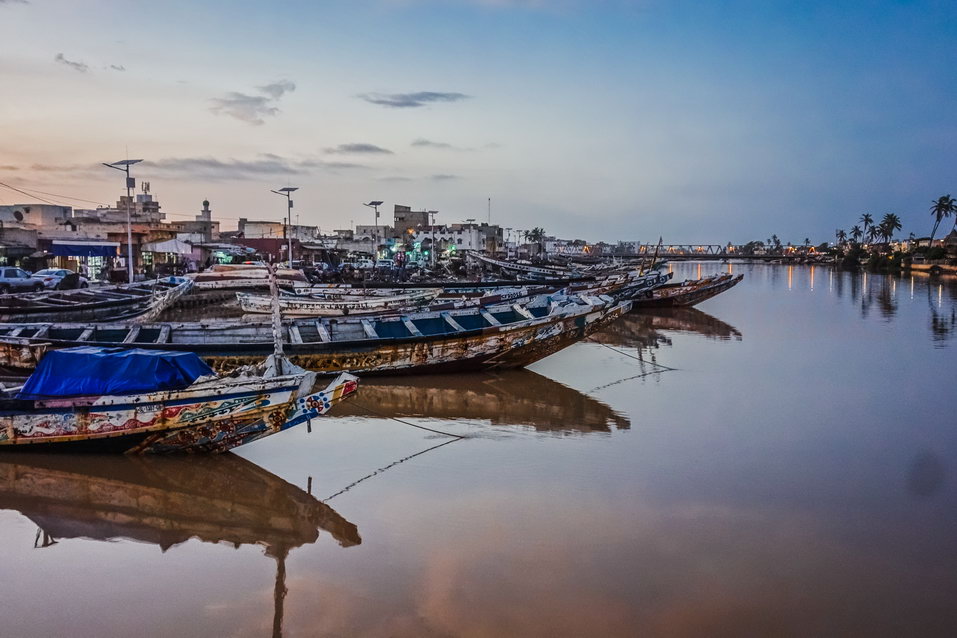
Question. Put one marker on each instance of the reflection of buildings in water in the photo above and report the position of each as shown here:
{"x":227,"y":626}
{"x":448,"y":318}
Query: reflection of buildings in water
{"x":166,"y":501}
{"x":510,"y":397}
{"x":644,"y":329}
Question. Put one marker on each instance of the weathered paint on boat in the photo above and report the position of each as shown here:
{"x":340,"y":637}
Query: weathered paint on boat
{"x":224,"y":435}
{"x":418,"y":343}
{"x":144,"y":300}
{"x":209,"y":416}
{"x":687,"y":293}
{"x":303,"y":306}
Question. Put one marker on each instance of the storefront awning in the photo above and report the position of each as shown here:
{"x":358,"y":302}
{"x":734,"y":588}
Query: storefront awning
{"x":85,"y":248}
{"x":173,"y":246}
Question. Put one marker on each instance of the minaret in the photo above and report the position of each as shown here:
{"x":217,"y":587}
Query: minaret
{"x":206,"y":216}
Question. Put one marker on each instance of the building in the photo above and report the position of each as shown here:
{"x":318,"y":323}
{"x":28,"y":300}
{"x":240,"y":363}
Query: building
{"x":256,"y":229}
{"x":203,"y":225}
{"x":34,"y":215}
{"x":405,"y":219}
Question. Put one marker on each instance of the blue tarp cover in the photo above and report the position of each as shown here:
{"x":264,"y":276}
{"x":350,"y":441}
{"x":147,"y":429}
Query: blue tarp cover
{"x":89,"y":371}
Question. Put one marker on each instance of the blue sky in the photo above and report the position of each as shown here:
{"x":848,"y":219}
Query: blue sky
{"x":697,"y":121}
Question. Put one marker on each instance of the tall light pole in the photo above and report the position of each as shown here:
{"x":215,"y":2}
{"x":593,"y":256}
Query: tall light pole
{"x":124,"y":165}
{"x":287,"y":192}
{"x":432,"y":214}
{"x":374,"y":205}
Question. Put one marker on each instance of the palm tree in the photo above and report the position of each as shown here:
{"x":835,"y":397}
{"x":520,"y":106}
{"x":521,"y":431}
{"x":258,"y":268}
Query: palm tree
{"x":867,"y":220}
{"x":841,"y":236}
{"x":872,"y":234}
{"x":945,"y":206}
{"x":856,"y":233}
{"x":889,"y":223}
{"x":536,"y":235}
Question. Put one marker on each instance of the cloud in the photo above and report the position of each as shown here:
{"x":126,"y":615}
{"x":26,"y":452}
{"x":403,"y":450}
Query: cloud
{"x":411,"y":100}
{"x":76,"y":66}
{"x":443,"y":177}
{"x":265,"y":165}
{"x":252,"y":109}
{"x":359,"y":147}
{"x":277,"y":89}
{"x":117,"y":67}
{"x":395,"y":178}
{"x":423,"y":143}
{"x":14,"y":2}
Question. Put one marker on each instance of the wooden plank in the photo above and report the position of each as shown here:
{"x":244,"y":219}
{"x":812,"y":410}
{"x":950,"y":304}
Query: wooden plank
{"x":15,"y":332}
{"x":489,"y":318}
{"x":415,"y":332}
{"x":521,"y":311}
{"x":132,"y":335}
{"x":85,"y":335}
{"x":452,"y":322}
{"x":323,"y":333}
{"x":294,"y":336}
{"x":42,"y":332}
{"x":163,"y":335}
{"x":370,"y":331}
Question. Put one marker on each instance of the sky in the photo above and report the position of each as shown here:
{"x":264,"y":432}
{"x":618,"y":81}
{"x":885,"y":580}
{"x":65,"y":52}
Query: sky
{"x":604,"y":120}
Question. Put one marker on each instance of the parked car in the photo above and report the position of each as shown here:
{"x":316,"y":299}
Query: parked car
{"x":385,"y":263}
{"x":17,"y":280}
{"x":364,"y":263}
{"x":60,"y":279}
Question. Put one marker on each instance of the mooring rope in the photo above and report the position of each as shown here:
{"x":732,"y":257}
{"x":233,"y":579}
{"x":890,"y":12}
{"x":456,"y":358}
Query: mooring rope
{"x":390,"y":465}
{"x":421,"y":427}
{"x":630,"y":356}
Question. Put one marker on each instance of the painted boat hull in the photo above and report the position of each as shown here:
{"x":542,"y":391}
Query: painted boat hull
{"x":169,"y":422}
{"x":304,"y":306}
{"x":225,"y":346}
{"x":143,"y":300}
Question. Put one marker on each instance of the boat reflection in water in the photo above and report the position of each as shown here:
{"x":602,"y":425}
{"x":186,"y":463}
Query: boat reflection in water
{"x":167,"y":501}
{"x":645,"y":329}
{"x":510,"y":397}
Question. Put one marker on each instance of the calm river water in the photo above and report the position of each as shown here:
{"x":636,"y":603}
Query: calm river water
{"x":781,"y":461}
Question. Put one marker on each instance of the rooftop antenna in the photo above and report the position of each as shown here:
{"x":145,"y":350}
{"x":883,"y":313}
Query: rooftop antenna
{"x":490,"y":211}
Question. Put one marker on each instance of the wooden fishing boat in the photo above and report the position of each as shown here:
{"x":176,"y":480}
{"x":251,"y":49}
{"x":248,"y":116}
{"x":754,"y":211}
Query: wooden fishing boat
{"x":310,"y":306}
{"x":243,"y":276}
{"x":146,"y":299}
{"x":686,"y":293}
{"x":506,"y":336}
{"x":90,"y":399}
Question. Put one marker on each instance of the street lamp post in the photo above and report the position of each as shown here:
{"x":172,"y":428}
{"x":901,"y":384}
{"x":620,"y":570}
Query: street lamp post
{"x":432,"y":214}
{"x":124,"y":165}
{"x":286,"y":192}
{"x":374,"y":205}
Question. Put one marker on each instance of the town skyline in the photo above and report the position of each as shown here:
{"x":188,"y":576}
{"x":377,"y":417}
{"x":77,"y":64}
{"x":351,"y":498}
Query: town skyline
{"x":605,"y":121}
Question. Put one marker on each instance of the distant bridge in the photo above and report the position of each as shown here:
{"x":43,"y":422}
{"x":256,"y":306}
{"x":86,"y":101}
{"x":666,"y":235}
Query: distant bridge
{"x":683,"y":252}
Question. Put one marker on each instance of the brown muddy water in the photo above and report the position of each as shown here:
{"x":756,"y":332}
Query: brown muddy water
{"x":781,"y":461}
